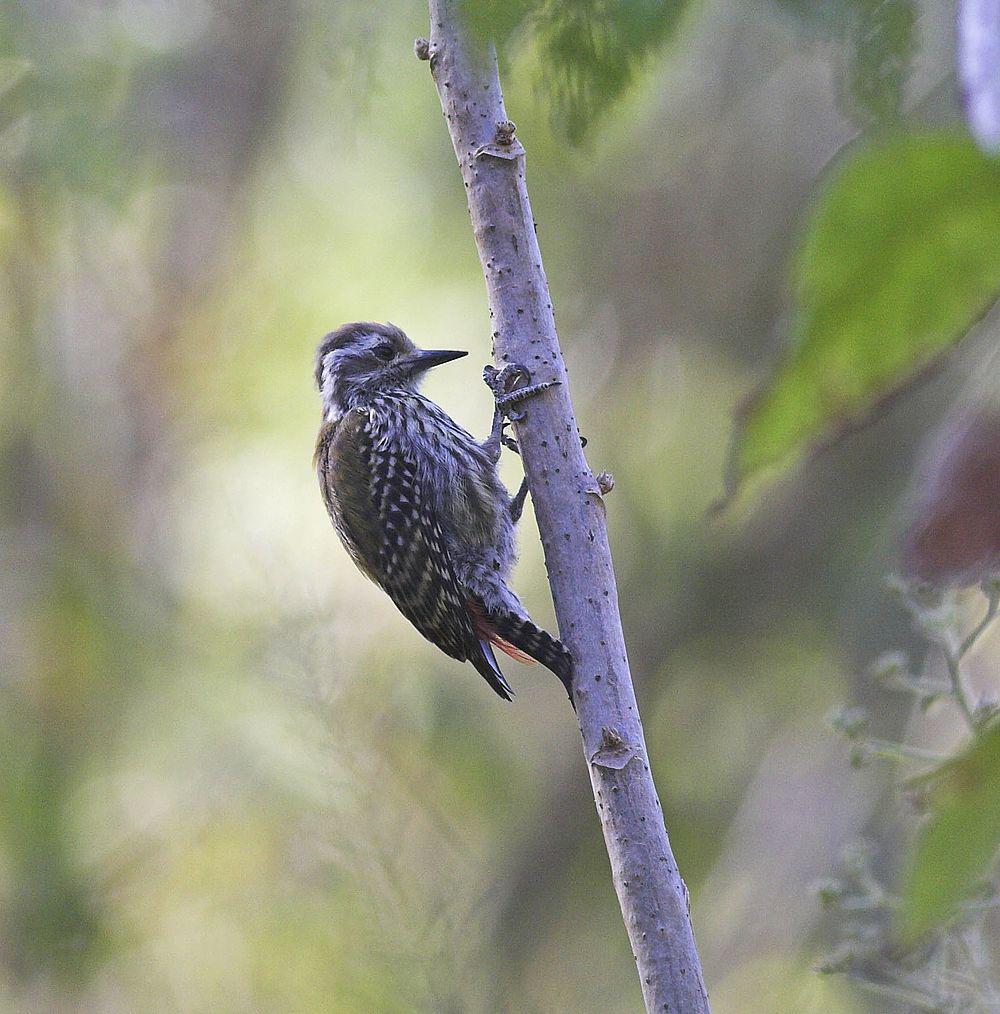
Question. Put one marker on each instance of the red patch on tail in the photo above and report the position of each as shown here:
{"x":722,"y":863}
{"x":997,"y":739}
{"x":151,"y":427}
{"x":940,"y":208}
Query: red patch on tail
{"x":486,"y":631}
{"x":509,"y":649}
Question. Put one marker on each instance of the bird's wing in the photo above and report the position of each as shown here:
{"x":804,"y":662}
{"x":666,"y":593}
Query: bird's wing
{"x":416,"y":567}
{"x":391,"y":529}
{"x":342,"y":468}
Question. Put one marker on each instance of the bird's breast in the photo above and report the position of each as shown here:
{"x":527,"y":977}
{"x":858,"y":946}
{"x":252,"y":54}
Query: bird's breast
{"x":475,"y":507}
{"x":463,"y":479}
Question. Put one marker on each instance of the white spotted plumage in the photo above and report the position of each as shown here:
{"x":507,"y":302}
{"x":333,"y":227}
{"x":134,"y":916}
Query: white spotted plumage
{"x":419,"y":505}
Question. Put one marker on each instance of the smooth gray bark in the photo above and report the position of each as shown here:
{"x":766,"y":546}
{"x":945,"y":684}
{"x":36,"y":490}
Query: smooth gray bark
{"x":569,"y":507}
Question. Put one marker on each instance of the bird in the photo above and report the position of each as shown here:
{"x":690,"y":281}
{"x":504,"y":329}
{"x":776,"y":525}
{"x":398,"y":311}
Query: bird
{"x":417,"y":501}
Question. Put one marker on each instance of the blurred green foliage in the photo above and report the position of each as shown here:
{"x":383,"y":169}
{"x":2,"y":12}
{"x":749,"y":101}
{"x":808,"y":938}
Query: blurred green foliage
{"x":584,"y":53}
{"x":235,"y":779}
{"x":900,"y":259}
{"x":882,"y":43}
{"x":958,"y":845}
{"x":878,"y":40}
{"x":928,"y":944}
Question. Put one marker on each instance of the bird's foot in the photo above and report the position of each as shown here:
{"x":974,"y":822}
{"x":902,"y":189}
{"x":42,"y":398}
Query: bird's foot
{"x":509,"y":442}
{"x":517,"y":502}
{"x":506,"y":392}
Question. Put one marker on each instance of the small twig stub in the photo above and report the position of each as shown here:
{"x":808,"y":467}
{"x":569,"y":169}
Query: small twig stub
{"x":613,"y":753}
{"x":509,"y":150}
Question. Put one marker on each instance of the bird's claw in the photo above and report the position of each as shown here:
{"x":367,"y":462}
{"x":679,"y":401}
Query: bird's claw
{"x":502,"y":382}
{"x":506,"y":392}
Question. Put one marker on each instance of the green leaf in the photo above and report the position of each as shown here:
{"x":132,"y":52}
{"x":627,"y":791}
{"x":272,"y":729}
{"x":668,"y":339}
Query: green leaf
{"x":587,"y":52}
{"x":901,"y":258}
{"x":590,"y":52}
{"x":960,"y":841}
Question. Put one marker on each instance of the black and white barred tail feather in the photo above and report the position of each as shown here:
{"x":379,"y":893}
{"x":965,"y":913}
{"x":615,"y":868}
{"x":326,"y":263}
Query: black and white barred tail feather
{"x":525,"y":641}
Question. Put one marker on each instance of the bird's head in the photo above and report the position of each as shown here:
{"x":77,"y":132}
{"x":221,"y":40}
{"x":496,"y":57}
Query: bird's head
{"x":358,"y":361}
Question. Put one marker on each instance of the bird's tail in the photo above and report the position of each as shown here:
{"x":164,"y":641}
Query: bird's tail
{"x":486,"y":666}
{"x":526,"y":642}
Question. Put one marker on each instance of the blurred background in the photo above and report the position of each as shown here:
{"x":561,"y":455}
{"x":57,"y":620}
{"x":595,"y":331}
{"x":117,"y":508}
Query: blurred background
{"x":233,"y":777}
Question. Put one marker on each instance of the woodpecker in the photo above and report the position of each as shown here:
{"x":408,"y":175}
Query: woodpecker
{"x":417,"y":502}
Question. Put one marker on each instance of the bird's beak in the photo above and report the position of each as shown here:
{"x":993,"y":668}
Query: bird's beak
{"x":424,"y":359}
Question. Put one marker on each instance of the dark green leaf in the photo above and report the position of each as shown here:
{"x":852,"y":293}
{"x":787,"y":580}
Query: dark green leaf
{"x":591,"y":50}
{"x":588,"y":52}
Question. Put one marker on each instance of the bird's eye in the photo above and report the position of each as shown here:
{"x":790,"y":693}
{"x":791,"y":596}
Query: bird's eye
{"x":384,"y":352}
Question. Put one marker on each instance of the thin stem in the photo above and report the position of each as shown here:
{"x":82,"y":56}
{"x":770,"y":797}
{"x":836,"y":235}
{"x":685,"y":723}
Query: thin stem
{"x":888,"y":750}
{"x":921,"y":686}
{"x":952,"y":660}
{"x":991,"y":614}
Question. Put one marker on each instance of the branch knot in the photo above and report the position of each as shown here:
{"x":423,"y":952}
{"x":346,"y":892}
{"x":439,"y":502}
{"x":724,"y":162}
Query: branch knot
{"x":613,"y":753}
{"x":505,"y":132}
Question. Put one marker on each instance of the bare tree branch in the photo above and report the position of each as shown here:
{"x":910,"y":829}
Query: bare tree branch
{"x":569,"y":505}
